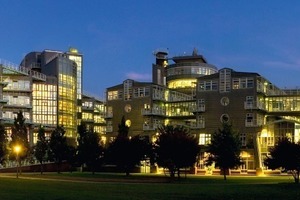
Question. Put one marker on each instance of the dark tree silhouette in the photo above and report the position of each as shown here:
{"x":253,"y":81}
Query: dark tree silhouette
{"x":3,"y":144}
{"x":285,"y":155}
{"x":126,"y":153}
{"x":19,"y":137}
{"x":58,"y":146}
{"x":41,"y":148}
{"x":123,"y":128}
{"x":224,"y":149}
{"x":175,"y":148}
{"x":90,"y":151}
{"x":71,"y":157}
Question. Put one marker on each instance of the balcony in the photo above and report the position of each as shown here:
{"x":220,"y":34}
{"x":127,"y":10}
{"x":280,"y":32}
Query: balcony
{"x":253,"y":105}
{"x":198,"y":125}
{"x":180,"y":114}
{"x":14,"y":105}
{"x":87,"y":120}
{"x":87,"y":108}
{"x":154,"y":111}
{"x":109,"y":129}
{"x":150,"y":127}
{"x":3,"y":80}
{"x":160,"y":97}
{"x":199,"y":108}
{"x":108,"y":115}
{"x":253,"y":123}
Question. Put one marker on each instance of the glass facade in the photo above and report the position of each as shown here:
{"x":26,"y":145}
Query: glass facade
{"x":77,"y":58}
{"x":67,"y":96}
{"x":44,"y":102}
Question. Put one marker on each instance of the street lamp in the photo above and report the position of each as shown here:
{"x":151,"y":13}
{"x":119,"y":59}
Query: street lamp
{"x":17,"y":150}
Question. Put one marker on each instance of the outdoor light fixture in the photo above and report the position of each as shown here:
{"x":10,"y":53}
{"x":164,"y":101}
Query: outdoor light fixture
{"x":17,"y":150}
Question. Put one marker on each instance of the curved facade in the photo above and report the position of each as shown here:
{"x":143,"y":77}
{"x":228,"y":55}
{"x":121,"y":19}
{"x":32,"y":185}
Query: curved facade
{"x":183,"y":74}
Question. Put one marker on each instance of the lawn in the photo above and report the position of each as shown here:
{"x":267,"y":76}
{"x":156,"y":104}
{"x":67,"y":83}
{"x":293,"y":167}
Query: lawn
{"x":79,"y":186}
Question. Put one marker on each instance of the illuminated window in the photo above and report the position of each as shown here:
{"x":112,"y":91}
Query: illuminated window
{"x":204,"y":139}
{"x":188,"y":83}
{"x":243,"y":83}
{"x":112,"y":95}
{"x":141,"y":92}
{"x":211,"y":85}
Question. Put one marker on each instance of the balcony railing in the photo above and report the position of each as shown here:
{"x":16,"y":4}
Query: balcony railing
{"x":254,"y":105}
{"x":197,"y":125}
{"x":179,"y":114}
{"x":253,"y":123}
{"x":154,"y":111}
{"x":150,"y":127}
{"x":108,"y":115}
{"x":199,"y":108}
{"x":109,"y":129}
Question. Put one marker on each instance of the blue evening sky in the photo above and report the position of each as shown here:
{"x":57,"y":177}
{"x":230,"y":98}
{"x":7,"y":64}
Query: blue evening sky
{"x":118,"y":37}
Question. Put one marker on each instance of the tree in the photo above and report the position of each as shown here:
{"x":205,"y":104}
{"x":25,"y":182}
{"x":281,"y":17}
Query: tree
{"x":285,"y":155}
{"x":89,"y":149}
{"x":126,"y":153}
{"x":58,"y":146}
{"x":3,"y":144}
{"x":71,"y":157}
{"x":224,"y":149}
{"x":123,"y":128}
{"x":175,"y":148}
{"x":41,"y":147}
{"x":19,"y":136}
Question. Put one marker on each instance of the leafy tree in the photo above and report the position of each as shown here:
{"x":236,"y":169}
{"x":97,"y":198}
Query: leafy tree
{"x":124,"y":152}
{"x":58,"y":146}
{"x":175,"y":149}
{"x":89,"y":149}
{"x":19,"y":136}
{"x":41,"y":147}
{"x":224,"y":149}
{"x":285,"y":155}
{"x":3,"y":144}
{"x":123,"y":128}
{"x":71,"y":157}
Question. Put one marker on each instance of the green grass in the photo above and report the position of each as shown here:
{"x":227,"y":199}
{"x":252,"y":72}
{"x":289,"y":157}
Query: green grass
{"x":78,"y":186}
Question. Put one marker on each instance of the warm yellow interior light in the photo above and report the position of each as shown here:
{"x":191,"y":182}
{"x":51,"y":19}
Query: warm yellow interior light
{"x":17,"y":148}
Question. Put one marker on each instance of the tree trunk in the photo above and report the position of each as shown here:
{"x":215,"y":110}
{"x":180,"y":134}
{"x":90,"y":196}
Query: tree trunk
{"x":178,"y":173}
{"x":224,"y":174}
{"x":41,"y":167}
{"x":172,"y":173}
{"x":296,"y":177}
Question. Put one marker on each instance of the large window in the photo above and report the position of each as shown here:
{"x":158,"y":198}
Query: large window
{"x":204,"y":138}
{"x":141,"y":92}
{"x":187,"y":83}
{"x":242,"y":83}
{"x":113,"y":95}
{"x":128,"y":89}
{"x":225,"y":80}
{"x":211,"y":85}
{"x":243,"y":139}
{"x":44,"y":102}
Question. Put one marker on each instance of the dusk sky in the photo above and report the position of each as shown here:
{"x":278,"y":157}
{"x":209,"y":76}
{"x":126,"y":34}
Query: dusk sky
{"x":118,"y":37}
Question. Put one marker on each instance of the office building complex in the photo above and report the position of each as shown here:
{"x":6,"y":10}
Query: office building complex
{"x":93,"y":113}
{"x":195,"y":94}
{"x":16,"y":94}
{"x":47,"y":88}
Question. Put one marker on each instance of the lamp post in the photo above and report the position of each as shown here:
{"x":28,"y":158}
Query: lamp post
{"x":17,"y":150}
